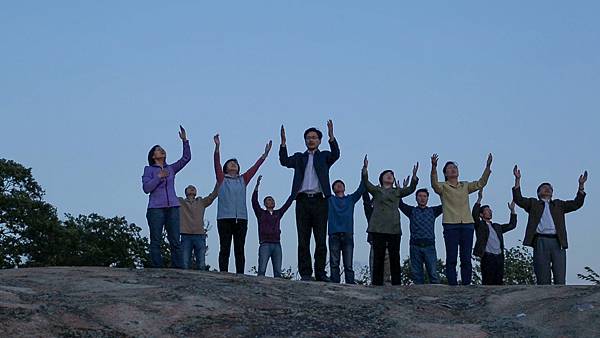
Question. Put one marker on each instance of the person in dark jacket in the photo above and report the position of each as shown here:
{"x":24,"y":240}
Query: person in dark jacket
{"x":312,"y":189}
{"x":546,"y":230}
{"x":490,"y":241}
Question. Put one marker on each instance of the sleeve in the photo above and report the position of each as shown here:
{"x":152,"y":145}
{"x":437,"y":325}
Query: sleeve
{"x":521,"y":201}
{"x":435,"y":184}
{"x":475,"y":212}
{"x":286,"y":205}
{"x":572,"y":205}
{"x":185,"y":158}
{"x":410,"y":189}
{"x":334,"y":154}
{"x":511,"y":224}
{"x":405,"y":208}
{"x":438,"y":210}
{"x":208,"y":200}
{"x":255,"y":205}
{"x":252,"y":171}
{"x":149,"y":180}
{"x":368,"y":185}
{"x":482,"y":182}
{"x":358,"y":193}
{"x":220,"y":175}
{"x":367,"y":205}
{"x":284,"y":159}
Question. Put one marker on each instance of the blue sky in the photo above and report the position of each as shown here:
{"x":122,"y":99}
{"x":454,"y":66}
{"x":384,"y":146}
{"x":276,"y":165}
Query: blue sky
{"x":87,"y":88}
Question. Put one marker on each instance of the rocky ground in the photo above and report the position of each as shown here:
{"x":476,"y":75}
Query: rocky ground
{"x":105,"y":302}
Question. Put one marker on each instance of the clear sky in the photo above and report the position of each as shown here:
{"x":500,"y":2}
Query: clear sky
{"x":86,"y":88}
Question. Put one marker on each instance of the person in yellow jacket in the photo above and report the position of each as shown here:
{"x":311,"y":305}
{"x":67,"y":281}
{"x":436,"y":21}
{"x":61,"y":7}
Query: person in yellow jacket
{"x":457,"y":221}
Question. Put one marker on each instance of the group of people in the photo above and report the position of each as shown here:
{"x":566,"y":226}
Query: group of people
{"x":324,"y":211}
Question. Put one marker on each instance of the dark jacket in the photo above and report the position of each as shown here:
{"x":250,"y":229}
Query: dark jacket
{"x":558,"y":208}
{"x":482,"y":231}
{"x":322,"y":161}
{"x":269,"y":225}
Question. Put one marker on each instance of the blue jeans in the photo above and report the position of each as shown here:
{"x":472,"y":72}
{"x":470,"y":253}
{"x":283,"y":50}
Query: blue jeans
{"x":420,"y":255}
{"x":459,"y":238}
{"x":168,"y":218}
{"x":197,"y":243}
{"x":341,"y":242}
{"x":272,"y":251}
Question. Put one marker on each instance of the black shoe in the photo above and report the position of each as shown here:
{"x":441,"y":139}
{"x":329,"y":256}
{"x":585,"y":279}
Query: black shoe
{"x":306,"y":278}
{"x":323,"y":278}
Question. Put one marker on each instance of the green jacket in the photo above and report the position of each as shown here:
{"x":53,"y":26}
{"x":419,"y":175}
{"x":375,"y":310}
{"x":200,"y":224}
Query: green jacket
{"x":386,"y":217}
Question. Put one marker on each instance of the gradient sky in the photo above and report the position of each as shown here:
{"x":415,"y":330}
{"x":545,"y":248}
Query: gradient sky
{"x":88,"y":87}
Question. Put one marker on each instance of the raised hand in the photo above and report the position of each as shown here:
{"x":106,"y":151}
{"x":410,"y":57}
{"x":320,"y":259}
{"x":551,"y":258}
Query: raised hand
{"x":217,"y":140}
{"x":405,"y":182}
{"x":258,"y":180}
{"x":330,"y":129}
{"x":582,"y":179}
{"x":511,"y":206}
{"x":182,"y":134}
{"x":434,"y":160}
{"x":268,"y":148}
{"x":415,"y":169}
{"x":480,"y":195}
{"x":365,"y":162}
{"x":283,"y":138}
{"x":517,"y":172}
{"x":489,"y":160}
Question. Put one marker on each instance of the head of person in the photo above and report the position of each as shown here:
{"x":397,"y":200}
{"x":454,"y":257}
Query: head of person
{"x":545,"y":191}
{"x":190,"y":192}
{"x":387,"y":178}
{"x":269,"y":202}
{"x":338,"y":187}
{"x":312,"y":138}
{"x":485,"y":212}
{"x":422,"y":197}
{"x":231,"y":167}
{"x":450,"y":170}
{"x":156,"y":154}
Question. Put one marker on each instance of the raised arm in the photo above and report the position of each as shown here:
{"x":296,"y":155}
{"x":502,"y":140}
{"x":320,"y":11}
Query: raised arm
{"x":435,"y":184}
{"x":286,"y":205}
{"x":477,"y":207}
{"x":284,"y":159}
{"x":577,"y":203}
{"x":521,"y":201}
{"x":334,"y":155}
{"x":405,"y":208}
{"x":187,"y":153}
{"x":482,"y":182}
{"x":513,"y":218}
{"x":255,"y":205}
{"x":355,"y":196}
{"x":365,"y":177}
{"x":220,"y":175}
{"x":208,"y":200}
{"x":405,"y":191}
{"x":252,"y":171}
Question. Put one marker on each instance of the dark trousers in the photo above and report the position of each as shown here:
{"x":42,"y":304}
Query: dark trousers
{"x":167,"y":218}
{"x":381,"y":242}
{"x":459,"y":237}
{"x":311,"y":216}
{"x":341,"y":242}
{"x":232,"y":228}
{"x":492,"y":269}
{"x":549,"y":260}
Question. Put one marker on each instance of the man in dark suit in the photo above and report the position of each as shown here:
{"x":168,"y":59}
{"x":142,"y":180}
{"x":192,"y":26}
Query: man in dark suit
{"x":546,"y":231}
{"x":312,"y":188}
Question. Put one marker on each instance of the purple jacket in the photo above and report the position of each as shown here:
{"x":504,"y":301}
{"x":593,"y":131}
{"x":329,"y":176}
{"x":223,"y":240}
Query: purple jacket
{"x":162,"y":190}
{"x":269,"y":225}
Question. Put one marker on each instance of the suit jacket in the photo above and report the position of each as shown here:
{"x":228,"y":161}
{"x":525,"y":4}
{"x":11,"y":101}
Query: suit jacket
{"x":322,"y":161}
{"x":482,"y":231}
{"x":558,"y":208}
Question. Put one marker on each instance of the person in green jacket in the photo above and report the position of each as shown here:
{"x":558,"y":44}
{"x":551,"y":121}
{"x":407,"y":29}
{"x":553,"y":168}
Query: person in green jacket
{"x":384,"y":224}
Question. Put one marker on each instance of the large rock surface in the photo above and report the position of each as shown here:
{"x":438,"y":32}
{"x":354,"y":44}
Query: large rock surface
{"x":105,"y":302}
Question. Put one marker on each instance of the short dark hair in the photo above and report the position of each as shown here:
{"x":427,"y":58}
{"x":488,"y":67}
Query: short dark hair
{"x":151,"y":154}
{"x":483,"y":207}
{"x":446,"y":167}
{"x":338,"y":181}
{"x":267,"y":197}
{"x":313,"y":129}
{"x":234,"y":160}
{"x":543,"y":184}
{"x":424,"y":190}
{"x":383,"y":173}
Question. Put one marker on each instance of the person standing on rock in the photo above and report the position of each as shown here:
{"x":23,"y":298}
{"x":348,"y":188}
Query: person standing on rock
{"x":457,"y":221}
{"x":490,"y":241}
{"x":384,"y":225}
{"x":312,"y":188}
{"x":158,"y":181}
{"x":193,"y":232}
{"x":269,"y":231}
{"x":546,"y":229}
{"x":232,"y":213}
{"x":368,"y":208}
{"x":341,"y":230}
{"x":422,"y":237}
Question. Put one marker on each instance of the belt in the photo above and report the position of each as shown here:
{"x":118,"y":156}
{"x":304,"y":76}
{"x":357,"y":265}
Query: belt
{"x":547,"y":235}
{"x":311,"y":195}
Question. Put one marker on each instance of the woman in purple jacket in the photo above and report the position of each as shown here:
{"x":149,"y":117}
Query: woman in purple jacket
{"x":163,"y":206}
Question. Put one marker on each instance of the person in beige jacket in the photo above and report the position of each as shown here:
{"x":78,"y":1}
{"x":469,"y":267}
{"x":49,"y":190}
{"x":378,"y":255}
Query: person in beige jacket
{"x":457,"y":221}
{"x":192,"y":227}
